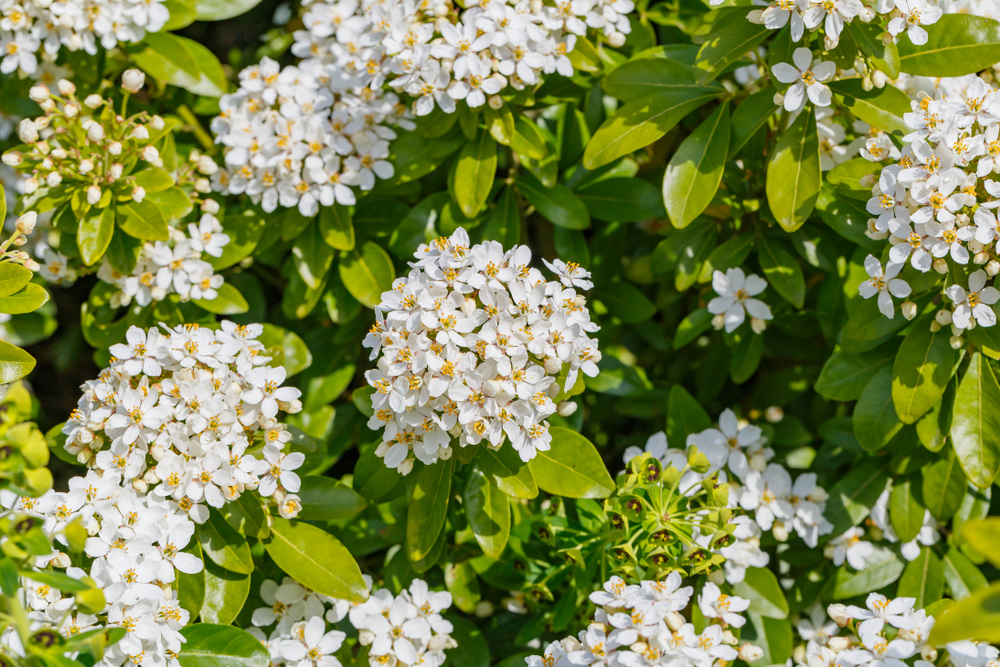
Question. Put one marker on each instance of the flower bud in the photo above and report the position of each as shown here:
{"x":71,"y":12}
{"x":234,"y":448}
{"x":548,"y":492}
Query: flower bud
{"x":116,"y":171}
{"x":750,"y":653}
{"x":62,"y":560}
{"x":779,"y":99}
{"x":780,"y":531}
{"x":86,"y":166}
{"x":484,"y":609}
{"x":203,"y":185}
{"x":928,"y":653}
{"x":943,"y":317}
{"x":838,"y":644}
{"x":31,"y":265}
{"x":30,"y":185}
{"x":869,"y":180}
{"x":940,"y":265}
{"x":956,"y":342}
{"x":27,"y":131}
{"x":719,"y":321}
{"x":133,"y":80}
{"x":674,"y":621}
{"x":728,"y":638}
{"x":12,"y":159}
{"x":992,"y":268}
{"x":95,"y":132}
{"x":774,"y":414}
{"x":115,"y":148}
{"x":53,"y":179}
{"x":140,"y":486}
{"x":909,"y":309}
{"x":981,"y":257}
{"x":866,"y":83}
{"x":405,"y":468}
{"x":26,"y":223}
{"x":878,"y":78}
{"x":39,"y":93}
{"x":93,"y":195}
{"x":140,"y":133}
{"x":366,"y":637}
{"x":935,"y":326}
{"x":138,"y":193}
{"x":93,"y":101}
{"x":495,"y":102}
{"x":553,"y":365}
{"x":66,"y":87}
{"x":566,"y":408}
{"x":838,"y":613}
{"x":758,"y":325}
{"x":207,"y":165}
{"x":616,"y":39}
{"x":210,"y":206}
{"x":149,"y":153}
{"x":156,"y":122}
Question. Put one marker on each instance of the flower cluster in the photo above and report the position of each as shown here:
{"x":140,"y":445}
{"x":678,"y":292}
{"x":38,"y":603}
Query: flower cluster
{"x":736,"y":292}
{"x":178,"y":412}
{"x":473,"y":344}
{"x":174,"y":267}
{"x":642,"y":626}
{"x":32,"y":26}
{"x":737,"y":452}
{"x":406,"y":629}
{"x":935,"y":204}
{"x":300,"y":136}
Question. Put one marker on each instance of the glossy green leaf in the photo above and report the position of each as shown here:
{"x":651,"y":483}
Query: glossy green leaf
{"x":879,"y":107}
{"x":636,"y":78}
{"x":507,"y":472}
{"x":475,"y":170}
{"x":793,"y":173}
{"x":921,"y":371}
{"x":143,"y":220}
{"x":325,"y":499}
{"x":984,"y":536}
{"x":30,"y":298}
{"x":316,"y":559}
{"x":13,"y":278}
{"x":923,"y":579}
{"x":906,"y":508}
{"x":336,"y":226}
{"x":761,"y":587}
{"x":211,"y":645}
{"x":571,"y":468}
{"x":217,"y":10}
{"x":976,"y":617}
{"x":93,"y":235}
{"x":225,"y":593}
{"x":957,"y":44}
{"x":875,"y":419}
{"x":943,"y":488}
{"x":226,"y":547}
{"x":852,"y":498}
{"x":313,"y":258}
{"x":246,"y":515}
{"x":695,"y":170}
{"x":782,"y":271}
{"x":975,"y":426}
{"x":882,"y":569}
{"x":845,"y":375}
{"x":729,"y":42}
{"x":961,"y":575}
{"x":285,"y":348}
{"x":748,"y":117}
{"x":557,"y":204}
{"x":367,"y":272}
{"x":622,"y":200}
{"x":488,"y":511}
{"x":428,"y":508}
{"x":228,"y":301}
{"x":504,"y":223}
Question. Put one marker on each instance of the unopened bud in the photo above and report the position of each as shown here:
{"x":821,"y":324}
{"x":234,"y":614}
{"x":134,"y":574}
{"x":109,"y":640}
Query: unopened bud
{"x":992,"y":268}
{"x":774,"y":414}
{"x":751,"y":653}
{"x":207,"y":165}
{"x":869,"y":180}
{"x":39,"y":93}
{"x":93,"y":101}
{"x":728,"y":638}
{"x":95,"y":132}
{"x":928,"y":653}
{"x":12,"y":159}
{"x":140,"y":133}
{"x":940,"y":265}
{"x":86,"y":166}
{"x":909,"y":309}
{"x":138,"y":193}
{"x":149,"y":153}
{"x":566,"y":408}
{"x":62,"y":560}
{"x":116,"y":170}
{"x":26,"y":223}
{"x":758,"y":325}
{"x":484,"y":609}
{"x":780,"y":531}
{"x":203,"y":185}
{"x":30,"y":185}
{"x":943,"y":317}
{"x":878,"y":78}
{"x":779,"y":99}
{"x":27,"y":132}
{"x":366,"y":637}
{"x":674,"y":621}
{"x":115,"y":148}
{"x":719,"y":321}
{"x":93,"y":195}
{"x":553,"y":365}
{"x":956,"y":342}
{"x":156,"y":123}
{"x":495,"y":102}
{"x":133,"y":80}
{"x":838,"y":644}
{"x":210,"y":206}
{"x":140,"y":486}
{"x":838,"y":613}
{"x":53,"y":179}
{"x":866,"y":83}
{"x":616,"y":39}
{"x":981,"y":257}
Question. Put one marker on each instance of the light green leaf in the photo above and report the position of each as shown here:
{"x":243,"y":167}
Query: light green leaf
{"x":875,"y":419}
{"x":488,"y":511}
{"x":475,"y":169}
{"x":226,"y":547}
{"x":636,"y":78}
{"x":367,"y":272}
{"x":508,"y":472}
{"x":285,"y":349}
{"x":336,"y":226}
{"x":882,"y":569}
{"x":879,"y":107}
{"x":152,"y":179}
{"x":923,"y":579}
{"x":961,"y":574}
{"x":225,"y":593}
{"x":30,"y":298}
{"x":906,"y":509}
{"x":793,"y":173}
{"x":427,"y":508}
{"x":984,"y":536}
{"x":143,"y":220}
{"x":15,"y":363}
{"x":921,"y":371}
{"x":957,"y":44}
{"x":211,"y":645}
{"x":977,"y":617}
{"x":93,"y":235}
{"x":749,"y":117}
{"x":571,"y":468}
{"x":943,"y":488}
{"x":695,"y":170}
{"x":761,"y":587}
{"x":246,"y":515}
{"x":691,"y":327}
{"x":975,"y":425}
{"x":313,"y":258}
{"x":727,"y":43}
{"x":217,"y":10}
{"x":13,"y":278}
{"x":316,"y":559}
{"x":557,"y":204}
{"x":325,"y":499}
{"x":229,"y":301}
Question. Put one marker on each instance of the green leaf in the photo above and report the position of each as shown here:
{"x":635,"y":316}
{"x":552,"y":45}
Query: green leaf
{"x":285,"y":349}
{"x":152,"y":179}
{"x":93,"y":235}
{"x":729,"y":42}
{"x":172,"y":202}
{"x":475,"y":169}
{"x":984,"y":536}
{"x":957,"y":44}
{"x":372,"y":478}
{"x":325,"y":499}
{"x":32,"y":297}
{"x":622,"y":200}
{"x":879,"y":107}
{"x":961,"y":575}
{"x":571,"y":468}
{"x":143,"y":220}
{"x":976,"y":617}
{"x":59,"y":580}
{"x":557,"y":204}
{"x":246,"y":515}
{"x":852,"y":497}
{"x":773,"y":635}
{"x":504,"y":223}
{"x":316,"y":559}
{"x":728,"y":255}
{"x":228,"y":301}
{"x":473,"y":650}
{"x":225,"y":593}
{"x":922,"y":369}
{"x":749,"y":117}
{"x":695,"y":170}
{"x":943,"y":488}
{"x":217,"y":10}
{"x":244,"y":231}
{"x":626,"y":302}
{"x":782,"y":270}
{"x":746,"y":355}
{"x":867,"y":327}
{"x":845,"y":375}
{"x":463,"y":584}
{"x":528,"y":139}
{"x":793,"y":173}
{"x":684,"y":416}
{"x":975,"y":425}
{"x":640,"y":123}
{"x":180,"y":61}
{"x":691,"y":327}
{"x":313,"y":258}
{"x":761,"y":587}
{"x":13,"y":278}
{"x":923,"y":579}
{"x":211,"y":645}
{"x":226,"y":547}
{"x":336,"y":226}
{"x":868,"y":37}
{"x":428,"y":508}
{"x":875,"y":419}
{"x":637,"y":78}
{"x":488,"y":511}
{"x":846,"y":177}
{"x":367,"y":272}
{"x":882,"y":569}
{"x":906,"y":509}
{"x":191,"y":587}
{"x":507,"y":472}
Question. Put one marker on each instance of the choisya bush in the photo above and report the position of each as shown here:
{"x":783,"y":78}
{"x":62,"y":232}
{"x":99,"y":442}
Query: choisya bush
{"x":590,"y":333}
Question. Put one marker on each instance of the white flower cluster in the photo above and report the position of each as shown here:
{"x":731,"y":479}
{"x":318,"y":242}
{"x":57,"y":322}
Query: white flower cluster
{"x":884,"y":633}
{"x":736,"y":292}
{"x":136,"y":548}
{"x":642,"y":626}
{"x":34,"y":25}
{"x":300,"y":136}
{"x":163,"y":268}
{"x":738,"y":451}
{"x":177,"y":412}
{"x":936,"y":203}
{"x":471,"y":344}
{"x":856,"y":552}
{"x":406,"y":629}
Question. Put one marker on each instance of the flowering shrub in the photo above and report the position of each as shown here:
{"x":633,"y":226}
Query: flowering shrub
{"x":586,"y":333}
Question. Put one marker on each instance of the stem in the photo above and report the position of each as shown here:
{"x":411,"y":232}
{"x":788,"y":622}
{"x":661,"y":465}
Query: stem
{"x":125,"y":103}
{"x":199,"y":132}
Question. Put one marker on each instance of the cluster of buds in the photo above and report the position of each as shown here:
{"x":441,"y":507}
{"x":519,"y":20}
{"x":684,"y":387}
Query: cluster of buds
{"x":79,"y":149}
{"x":23,"y":228}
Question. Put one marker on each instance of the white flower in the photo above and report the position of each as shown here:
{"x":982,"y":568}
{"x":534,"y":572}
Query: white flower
{"x":806,"y":79}
{"x":767,"y":495}
{"x":915,"y":13}
{"x":974,"y":303}
{"x":850,"y":547}
{"x":883,"y":283}
{"x":714,"y":604}
{"x":736,"y":291}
